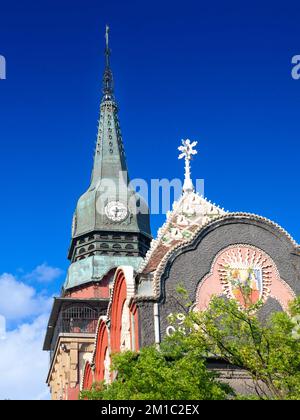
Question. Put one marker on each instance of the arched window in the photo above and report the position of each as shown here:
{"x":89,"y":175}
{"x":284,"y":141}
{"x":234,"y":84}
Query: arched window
{"x":102,"y":356}
{"x":123,"y":319}
{"x":118,"y":302}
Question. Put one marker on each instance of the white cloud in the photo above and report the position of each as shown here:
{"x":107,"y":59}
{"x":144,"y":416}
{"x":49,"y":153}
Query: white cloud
{"x":18,"y":301}
{"x":44,"y":273}
{"x":2,"y":327}
{"x":23,"y":364}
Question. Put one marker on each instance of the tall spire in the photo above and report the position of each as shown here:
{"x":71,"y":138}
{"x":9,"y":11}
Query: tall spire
{"x":109,"y":160}
{"x":187,"y":151}
{"x":108,"y":88}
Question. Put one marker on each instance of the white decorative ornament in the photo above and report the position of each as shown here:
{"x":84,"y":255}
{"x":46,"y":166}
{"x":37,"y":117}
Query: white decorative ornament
{"x":182,"y":220}
{"x":187,"y":151}
{"x":176,"y":323}
{"x":116,"y":211}
{"x":176,"y":234}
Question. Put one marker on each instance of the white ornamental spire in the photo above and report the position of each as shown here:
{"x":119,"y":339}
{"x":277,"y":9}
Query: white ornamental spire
{"x":187,"y":152}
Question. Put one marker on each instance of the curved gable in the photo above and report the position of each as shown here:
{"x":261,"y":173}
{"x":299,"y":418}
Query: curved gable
{"x":234,"y":228}
{"x":190,"y":263}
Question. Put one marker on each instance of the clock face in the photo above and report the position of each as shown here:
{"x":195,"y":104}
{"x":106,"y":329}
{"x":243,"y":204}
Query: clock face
{"x":116,"y":211}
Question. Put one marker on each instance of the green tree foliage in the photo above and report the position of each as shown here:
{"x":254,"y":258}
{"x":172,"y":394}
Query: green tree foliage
{"x":269,"y":352}
{"x":171,"y":373}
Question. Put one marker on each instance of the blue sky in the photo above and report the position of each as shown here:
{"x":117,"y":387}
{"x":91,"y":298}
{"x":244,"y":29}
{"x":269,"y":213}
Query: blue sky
{"x":217,"y":72}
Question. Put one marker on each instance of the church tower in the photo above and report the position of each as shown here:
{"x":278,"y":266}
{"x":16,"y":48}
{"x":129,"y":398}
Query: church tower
{"x":110,"y":228}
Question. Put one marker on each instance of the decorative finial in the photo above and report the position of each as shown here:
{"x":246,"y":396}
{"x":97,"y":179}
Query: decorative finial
{"x":106,"y":35}
{"x":108,"y":77}
{"x":187,"y":152}
{"x":107,"y":50}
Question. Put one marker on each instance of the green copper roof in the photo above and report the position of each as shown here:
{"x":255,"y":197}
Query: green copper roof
{"x":95,"y":267}
{"x":109,"y":159}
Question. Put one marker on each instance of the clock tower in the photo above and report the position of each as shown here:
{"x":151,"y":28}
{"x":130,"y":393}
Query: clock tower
{"x":111,"y":222}
{"x":110,"y":228}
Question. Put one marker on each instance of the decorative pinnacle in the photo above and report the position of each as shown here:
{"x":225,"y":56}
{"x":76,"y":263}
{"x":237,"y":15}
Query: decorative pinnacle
{"x":107,"y":50}
{"x":187,"y":152}
{"x":107,"y":77}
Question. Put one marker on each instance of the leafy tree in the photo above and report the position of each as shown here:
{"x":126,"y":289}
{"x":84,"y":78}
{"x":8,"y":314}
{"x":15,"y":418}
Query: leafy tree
{"x":269,"y":351}
{"x":169,"y":373}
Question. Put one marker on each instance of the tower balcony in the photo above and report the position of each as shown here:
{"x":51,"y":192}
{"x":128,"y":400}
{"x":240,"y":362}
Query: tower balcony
{"x":73,"y":317}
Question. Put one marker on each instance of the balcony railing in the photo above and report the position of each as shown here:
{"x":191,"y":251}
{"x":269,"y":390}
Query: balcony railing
{"x":75,"y":320}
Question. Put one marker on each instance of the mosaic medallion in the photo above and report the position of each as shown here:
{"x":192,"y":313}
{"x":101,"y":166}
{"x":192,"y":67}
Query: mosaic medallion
{"x":245,"y":274}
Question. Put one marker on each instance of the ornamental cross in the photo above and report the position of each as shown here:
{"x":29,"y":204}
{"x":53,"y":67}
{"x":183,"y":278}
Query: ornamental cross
{"x":187,"y":152}
{"x":187,"y":149}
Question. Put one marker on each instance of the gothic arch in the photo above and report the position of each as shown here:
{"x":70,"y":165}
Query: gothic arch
{"x":122,"y":333}
{"x":117,"y":306}
{"x":87,"y":376}
{"x":123,"y":316}
{"x":102,"y":347}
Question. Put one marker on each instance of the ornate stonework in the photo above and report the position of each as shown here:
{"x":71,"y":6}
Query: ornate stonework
{"x":67,"y":368}
{"x":189,"y":213}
